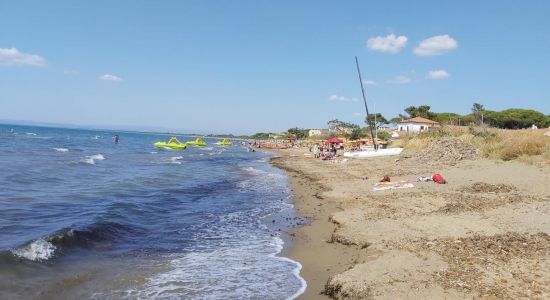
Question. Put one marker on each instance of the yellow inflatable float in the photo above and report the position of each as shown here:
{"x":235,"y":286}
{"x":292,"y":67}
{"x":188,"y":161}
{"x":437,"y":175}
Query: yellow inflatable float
{"x":225,"y":142}
{"x":173,"y":143}
{"x":198,"y":142}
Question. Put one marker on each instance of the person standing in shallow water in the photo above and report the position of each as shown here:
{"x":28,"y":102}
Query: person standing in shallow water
{"x":116,"y":138}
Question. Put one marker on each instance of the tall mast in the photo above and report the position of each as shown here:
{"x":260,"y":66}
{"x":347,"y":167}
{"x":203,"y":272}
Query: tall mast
{"x":366,"y":107}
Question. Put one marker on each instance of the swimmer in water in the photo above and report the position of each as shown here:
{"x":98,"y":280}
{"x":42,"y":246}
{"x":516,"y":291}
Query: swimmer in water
{"x":116,"y":138}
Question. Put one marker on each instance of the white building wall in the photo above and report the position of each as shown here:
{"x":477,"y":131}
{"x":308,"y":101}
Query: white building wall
{"x":413,"y":127}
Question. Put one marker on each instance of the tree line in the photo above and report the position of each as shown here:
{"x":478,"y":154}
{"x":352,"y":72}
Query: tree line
{"x":513,"y":118}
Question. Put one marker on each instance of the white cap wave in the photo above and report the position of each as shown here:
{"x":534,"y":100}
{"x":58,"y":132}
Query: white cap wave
{"x":38,"y":250}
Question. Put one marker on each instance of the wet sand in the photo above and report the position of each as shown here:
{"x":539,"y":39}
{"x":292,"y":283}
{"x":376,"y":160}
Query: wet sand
{"x":483,"y":235}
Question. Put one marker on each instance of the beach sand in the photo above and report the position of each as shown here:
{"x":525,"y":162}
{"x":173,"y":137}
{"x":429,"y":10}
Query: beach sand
{"x":484,"y":235}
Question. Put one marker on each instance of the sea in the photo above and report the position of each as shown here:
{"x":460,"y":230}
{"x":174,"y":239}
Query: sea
{"x":82,"y":217}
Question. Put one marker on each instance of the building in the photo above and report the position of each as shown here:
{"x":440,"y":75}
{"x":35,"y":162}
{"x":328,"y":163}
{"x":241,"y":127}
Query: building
{"x":340,"y":130}
{"x":317,"y":132}
{"x":417,"y":124}
{"x":278,"y":136}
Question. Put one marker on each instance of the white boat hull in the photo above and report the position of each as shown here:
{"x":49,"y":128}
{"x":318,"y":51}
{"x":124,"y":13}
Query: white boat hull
{"x":372,"y":153}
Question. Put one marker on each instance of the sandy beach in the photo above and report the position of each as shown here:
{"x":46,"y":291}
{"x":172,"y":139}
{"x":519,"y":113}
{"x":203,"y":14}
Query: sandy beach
{"x":484,"y":235}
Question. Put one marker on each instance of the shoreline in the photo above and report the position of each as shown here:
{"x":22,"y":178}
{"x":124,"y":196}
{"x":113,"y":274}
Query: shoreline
{"x":419,"y":242}
{"x":330,"y":258}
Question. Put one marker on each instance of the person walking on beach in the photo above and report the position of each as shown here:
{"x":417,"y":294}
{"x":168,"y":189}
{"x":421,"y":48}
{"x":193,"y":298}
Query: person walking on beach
{"x":316,"y":151}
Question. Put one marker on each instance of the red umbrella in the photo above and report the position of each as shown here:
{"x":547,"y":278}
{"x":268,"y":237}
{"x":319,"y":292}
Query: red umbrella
{"x":334,"y":140}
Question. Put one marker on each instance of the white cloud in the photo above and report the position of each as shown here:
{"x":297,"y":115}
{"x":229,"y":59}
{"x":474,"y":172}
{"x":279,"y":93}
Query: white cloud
{"x":338,"y":98}
{"x":109,"y":77}
{"x":436,"y":45}
{"x":401,"y":79}
{"x":12,"y":56}
{"x":369,"y":82}
{"x":388,"y":44}
{"x":438,"y":74}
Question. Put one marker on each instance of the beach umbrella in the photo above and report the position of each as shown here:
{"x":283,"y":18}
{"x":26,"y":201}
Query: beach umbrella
{"x":334,"y":140}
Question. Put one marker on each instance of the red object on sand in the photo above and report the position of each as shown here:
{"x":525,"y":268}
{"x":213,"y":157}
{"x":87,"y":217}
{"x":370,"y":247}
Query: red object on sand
{"x":437,"y":178}
{"x":386,"y":178}
{"x":334,"y":140}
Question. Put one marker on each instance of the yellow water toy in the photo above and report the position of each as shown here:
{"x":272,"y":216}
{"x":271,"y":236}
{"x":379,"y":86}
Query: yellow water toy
{"x":225,"y":142}
{"x":198,"y":142}
{"x":173,"y":143}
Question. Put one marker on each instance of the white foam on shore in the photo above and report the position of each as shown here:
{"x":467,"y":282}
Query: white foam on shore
{"x":239,"y":256}
{"x":244,"y":270}
{"x":61,"y":149}
{"x":92,"y":159}
{"x":38,"y":250}
{"x":261,"y":180}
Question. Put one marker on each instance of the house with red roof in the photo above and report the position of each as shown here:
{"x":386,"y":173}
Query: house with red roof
{"x":417,"y":124}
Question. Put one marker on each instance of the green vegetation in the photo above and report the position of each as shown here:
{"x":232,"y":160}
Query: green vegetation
{"x":260,"y":136}
{"x":300,"y":133}
{"x":341,"y":124}
{"x":383,"y":135}
{"x":420,"y":111}
{"x":514,"y":118}
{"x":370,"y":119}
{"x":358,"y":133}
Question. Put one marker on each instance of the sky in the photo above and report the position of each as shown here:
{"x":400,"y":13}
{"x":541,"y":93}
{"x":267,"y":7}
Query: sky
{"x":256,"y":66}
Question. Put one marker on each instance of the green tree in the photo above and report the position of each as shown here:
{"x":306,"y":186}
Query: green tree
{"x":397,"y":119}
{"x":420,"y":111}
{"x":260,"y":136}
{"x":478,"y":113}
{"x":378,"y":117}
{"x":358,"y":133}
{"x":446,"y":117}
{"x":341,"y":124}
{"x":299,"y":133}
{"x":383,"y":135}
{"x":476,"y":107}
{"x":516,"y":118}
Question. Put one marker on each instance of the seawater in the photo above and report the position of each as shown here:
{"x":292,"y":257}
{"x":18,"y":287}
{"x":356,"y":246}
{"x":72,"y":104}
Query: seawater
{"x":83,"y":217}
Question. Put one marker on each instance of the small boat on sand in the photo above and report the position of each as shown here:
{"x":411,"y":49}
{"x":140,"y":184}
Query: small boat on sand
{"x":373,"y":153}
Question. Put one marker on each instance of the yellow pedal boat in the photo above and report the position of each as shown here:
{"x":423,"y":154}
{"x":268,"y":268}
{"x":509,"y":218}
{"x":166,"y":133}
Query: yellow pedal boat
{"x":173,"y":143}
{"x":224,"y":143}
{"x":198,"y":142}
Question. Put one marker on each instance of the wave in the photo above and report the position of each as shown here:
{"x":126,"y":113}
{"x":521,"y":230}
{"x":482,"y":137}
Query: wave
{"x":255,"y":269}
{"x":176,"y":160}
{"x":38,"y":250}
{"x":61,"y":149}
{"x":30,"y":133}
{"x":97,"y":236}
{"x":92,"y":159}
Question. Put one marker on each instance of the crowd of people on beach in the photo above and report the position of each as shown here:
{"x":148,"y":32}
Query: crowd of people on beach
{"x":325,"y":151}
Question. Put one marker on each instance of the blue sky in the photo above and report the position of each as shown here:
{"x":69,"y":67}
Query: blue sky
{"x":250,"y":66}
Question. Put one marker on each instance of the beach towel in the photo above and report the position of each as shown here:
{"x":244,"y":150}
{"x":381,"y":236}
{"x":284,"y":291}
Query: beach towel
{"x":403,"y":184}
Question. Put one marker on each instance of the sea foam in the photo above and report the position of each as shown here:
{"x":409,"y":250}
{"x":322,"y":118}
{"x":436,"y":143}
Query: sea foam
{"x":92,"y":159}
{"x":61,"y":149}
{"x":38,"y":250}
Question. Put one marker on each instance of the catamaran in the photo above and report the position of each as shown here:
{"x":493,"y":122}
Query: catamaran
{"x":375,"y":151}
